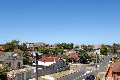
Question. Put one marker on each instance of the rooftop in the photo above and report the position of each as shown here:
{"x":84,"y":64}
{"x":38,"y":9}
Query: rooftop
{"x":74,"y":56}
{"x":4,"y":55}
{"x":115,"y":66}
{"x":49,"y":59}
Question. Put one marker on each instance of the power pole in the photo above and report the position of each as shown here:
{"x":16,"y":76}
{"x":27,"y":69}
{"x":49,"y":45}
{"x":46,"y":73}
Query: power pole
{"x":36,"y":60}
{"x":96,"y":64}
{"x":36,"y":65}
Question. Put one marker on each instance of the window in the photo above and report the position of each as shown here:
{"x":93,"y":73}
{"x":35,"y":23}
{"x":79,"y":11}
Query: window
{"x":9,"y":64}
{"x":18,"y":65}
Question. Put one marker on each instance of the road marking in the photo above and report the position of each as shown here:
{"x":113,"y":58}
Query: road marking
{"x":88,"y":72}
{"x":85,"y":74}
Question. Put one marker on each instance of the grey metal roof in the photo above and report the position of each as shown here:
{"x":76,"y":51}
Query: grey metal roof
{"x":4,"y":55}
{"x":8,"y":55}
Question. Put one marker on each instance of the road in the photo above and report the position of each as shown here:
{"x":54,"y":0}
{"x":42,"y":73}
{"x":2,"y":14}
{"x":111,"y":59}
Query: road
{"x":86,"y":71}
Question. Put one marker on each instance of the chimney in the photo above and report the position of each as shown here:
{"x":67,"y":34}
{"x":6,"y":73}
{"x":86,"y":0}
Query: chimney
{"x":54,"y":60}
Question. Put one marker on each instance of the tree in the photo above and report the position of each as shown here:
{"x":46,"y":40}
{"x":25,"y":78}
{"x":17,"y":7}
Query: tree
{"x":84,"y":57}
{"x":26,"y":59}
{"x":10,"y":46}
{"x":104,"y":50}
{"x":3,"y":73}
{"x":114,"y":48}
{"x":68,"y":46}
{"x":44,"y":50}
{"x":89,"y":48}
{"x":23,"y":47}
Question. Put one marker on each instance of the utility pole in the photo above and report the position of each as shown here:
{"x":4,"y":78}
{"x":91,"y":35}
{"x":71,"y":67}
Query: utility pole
{"x":36,"y":65}
{"x":36,"y":60}
{"x":96,"y":64}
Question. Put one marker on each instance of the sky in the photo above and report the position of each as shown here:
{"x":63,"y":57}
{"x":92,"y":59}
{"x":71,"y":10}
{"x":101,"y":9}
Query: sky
{"x":58,"y":21}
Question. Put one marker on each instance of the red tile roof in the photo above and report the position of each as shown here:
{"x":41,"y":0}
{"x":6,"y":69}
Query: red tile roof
{"x":74,"y":56}
{"x":54,"y":47}
{"x":49,"y":59}
{"x":115,"y":66}
{"x":1,"y":48}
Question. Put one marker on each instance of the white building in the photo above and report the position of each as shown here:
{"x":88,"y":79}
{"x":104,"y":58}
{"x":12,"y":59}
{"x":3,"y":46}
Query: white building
{"x":51,"y":64}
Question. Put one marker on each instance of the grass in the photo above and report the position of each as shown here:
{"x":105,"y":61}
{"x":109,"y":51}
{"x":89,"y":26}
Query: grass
{"x":100,"y":76}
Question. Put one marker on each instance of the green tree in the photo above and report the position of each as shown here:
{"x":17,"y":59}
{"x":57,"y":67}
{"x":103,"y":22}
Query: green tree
{"x":23,"y":47}
{"x":44,"y":50}
{"x":68,"y":46}
{"x":104,"y":50}
{"x":84,"y":57}
{"x":10,"y":46}
{"x":26,"y":59}
{"x":3,"y":73}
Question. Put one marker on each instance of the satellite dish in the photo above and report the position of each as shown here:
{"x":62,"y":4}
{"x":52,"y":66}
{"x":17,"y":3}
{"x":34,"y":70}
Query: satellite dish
{"x":15,"y":55}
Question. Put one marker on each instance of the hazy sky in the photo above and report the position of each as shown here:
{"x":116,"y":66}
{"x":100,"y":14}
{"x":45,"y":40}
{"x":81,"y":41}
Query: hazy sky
{"x":52,"y":21}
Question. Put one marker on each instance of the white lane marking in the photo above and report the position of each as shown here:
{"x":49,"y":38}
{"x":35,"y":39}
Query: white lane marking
{"x":88,"y":72}
{"x":85,"y":74}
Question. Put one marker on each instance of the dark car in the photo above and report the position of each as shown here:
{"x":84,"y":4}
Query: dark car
{"x":87,"y":78}
{"x":91,"y":77}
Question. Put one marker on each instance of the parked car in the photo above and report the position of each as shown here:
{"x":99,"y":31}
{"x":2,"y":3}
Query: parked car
{"x":91,"y":77}
{"x":91,"y":64}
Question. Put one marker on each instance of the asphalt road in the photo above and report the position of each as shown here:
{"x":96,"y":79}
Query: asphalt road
{"x":84,"y":71}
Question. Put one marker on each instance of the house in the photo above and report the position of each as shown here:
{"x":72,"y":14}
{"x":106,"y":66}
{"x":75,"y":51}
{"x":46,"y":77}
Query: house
{"x":53,"y":47}
{"x":73,"y":57}
{"x":2,"y":48}
{"x":77,"y":47}
{"x":97,"y":47}
{"x":14,"y":61}
{"x":70,"y":52}
{"x":38,"y":44}
{"x":17,"y":51}
{"x":113,"y":71}
{"x":63,"y":56}
{"x":51,"y":64}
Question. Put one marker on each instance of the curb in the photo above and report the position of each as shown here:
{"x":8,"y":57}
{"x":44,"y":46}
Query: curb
{"x":68,"y":74}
